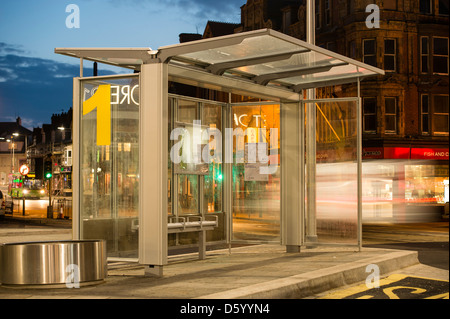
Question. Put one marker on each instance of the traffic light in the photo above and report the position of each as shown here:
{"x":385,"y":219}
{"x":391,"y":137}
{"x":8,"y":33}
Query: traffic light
{"x":219,"y":175}
{"x":48,"y":169}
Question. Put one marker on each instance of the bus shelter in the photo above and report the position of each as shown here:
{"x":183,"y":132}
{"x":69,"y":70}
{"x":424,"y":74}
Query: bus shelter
{"x":212,"y":141}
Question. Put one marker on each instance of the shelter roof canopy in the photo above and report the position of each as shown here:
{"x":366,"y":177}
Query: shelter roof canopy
{"x":265,"y":57}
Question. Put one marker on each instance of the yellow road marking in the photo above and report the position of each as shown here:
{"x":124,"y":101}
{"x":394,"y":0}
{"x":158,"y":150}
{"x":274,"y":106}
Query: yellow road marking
{"x":389,"y":291}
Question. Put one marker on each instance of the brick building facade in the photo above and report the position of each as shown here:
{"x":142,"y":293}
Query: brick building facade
{"x":409,"y":104}
{"x":406,"y":111}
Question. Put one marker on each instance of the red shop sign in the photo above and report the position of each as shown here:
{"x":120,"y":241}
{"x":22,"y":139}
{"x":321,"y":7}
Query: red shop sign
{"x":373,"y":153}
{"x":430,"y":153}
{"x":386,"y":152}
{"x":396,"y":152}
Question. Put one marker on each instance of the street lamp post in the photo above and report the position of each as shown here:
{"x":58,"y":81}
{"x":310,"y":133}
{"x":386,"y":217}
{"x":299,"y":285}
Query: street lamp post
{"x":311,"y":230}
{"x":50,"y":206}
{"x":13,"y":146}
{"x":13,"y":164}
{"x":15,"y":134}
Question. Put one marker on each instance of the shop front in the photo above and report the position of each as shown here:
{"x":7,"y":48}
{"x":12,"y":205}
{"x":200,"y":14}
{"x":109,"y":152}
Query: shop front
{"x":405,"y":184}
{"x":212,"y":132}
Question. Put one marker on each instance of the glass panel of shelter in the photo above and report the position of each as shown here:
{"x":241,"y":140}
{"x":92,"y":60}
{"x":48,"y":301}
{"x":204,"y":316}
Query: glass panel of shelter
{"x":255,"y":199}
{"x":197,"y":189}
{"x":255,"y":196}
{"x":255,"y":203}
{"x":336,"y":215}
{"x":109,"y":169}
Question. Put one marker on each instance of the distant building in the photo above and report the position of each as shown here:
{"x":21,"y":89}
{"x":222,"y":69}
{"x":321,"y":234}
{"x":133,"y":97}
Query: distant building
{"x":217,"y":29}
{"x":53,"y":142}
{"x":14,"y":139}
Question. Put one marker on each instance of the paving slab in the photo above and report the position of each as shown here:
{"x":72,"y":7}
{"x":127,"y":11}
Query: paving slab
{"x":258,"y":271}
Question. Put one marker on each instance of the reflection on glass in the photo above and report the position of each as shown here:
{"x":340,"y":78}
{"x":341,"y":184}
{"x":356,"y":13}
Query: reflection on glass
{"x":212,"y":185}
{"x":336,"y":172}
{"x":187,"y":197}
{"x":187,"y":111}
{"x":256,"y":197}
{"x":187,"y":194}
{"x":109,"y":174}
{"x":198,"y":185}
{"x":377,"y":191}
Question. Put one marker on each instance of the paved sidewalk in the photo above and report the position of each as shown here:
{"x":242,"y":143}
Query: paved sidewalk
{"x":259,"y":271}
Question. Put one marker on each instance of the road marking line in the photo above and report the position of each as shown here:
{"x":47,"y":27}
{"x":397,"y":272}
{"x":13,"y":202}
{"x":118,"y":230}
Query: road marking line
{"x":388,"y":291}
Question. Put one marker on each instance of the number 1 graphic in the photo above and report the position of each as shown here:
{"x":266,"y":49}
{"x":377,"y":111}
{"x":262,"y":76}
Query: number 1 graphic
{"x":102,"y":101}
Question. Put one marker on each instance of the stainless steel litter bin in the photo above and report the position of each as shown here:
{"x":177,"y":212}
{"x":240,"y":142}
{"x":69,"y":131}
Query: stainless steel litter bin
{"x":53,"y":264}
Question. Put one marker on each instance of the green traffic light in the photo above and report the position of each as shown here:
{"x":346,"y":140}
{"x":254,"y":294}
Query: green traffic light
{"x":220,"y":177}
{"x":48,"y":175}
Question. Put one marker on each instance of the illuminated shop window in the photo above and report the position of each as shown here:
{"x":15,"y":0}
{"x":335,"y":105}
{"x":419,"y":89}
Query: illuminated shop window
{"x":426,"y":183}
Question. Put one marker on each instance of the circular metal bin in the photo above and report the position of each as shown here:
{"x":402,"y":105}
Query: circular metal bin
{"x":53,"y":263}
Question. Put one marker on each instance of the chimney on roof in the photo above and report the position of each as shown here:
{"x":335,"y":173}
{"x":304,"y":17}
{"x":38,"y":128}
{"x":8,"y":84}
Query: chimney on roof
{"x":19,"y":121}
{"x":187,"y":37}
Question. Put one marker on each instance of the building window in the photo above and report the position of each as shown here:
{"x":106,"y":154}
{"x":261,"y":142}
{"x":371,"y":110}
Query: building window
{"x":327,"y":12}
{"x":440,"y":114}
{"x":318,"y":15}
{"x":390,"y":55}
{"x":352,"y":49}
{"x":286,"y":19}
{"x":331,"y":46}
{"x":369,"y":52}
{"x":440,"y":55}
{"x":425,"y":109}
{"x":424,"y":54}
{"x":425,"y":6}
{"x":443,"y":7}
{"x":390,"y":115}
{"x":370,"y":114}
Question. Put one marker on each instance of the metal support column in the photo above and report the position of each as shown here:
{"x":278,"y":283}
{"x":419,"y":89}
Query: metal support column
{"x":292,"y":183}
{"x":359,"y":165}
{"x":76,"y":231}
{"x":153,"y":167}
{"x":311,"y":233}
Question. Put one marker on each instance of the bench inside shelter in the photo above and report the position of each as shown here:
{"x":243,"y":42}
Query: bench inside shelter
{"x":189,"y":224}
{"x":198,"y":224}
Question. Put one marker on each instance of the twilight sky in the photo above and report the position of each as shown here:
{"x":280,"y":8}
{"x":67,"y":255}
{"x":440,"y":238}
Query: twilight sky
{"x":36,"y":83}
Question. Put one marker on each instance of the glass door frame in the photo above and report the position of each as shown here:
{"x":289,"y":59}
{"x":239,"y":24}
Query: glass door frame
{"x":200,"y":103}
